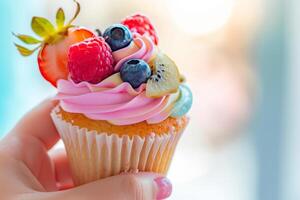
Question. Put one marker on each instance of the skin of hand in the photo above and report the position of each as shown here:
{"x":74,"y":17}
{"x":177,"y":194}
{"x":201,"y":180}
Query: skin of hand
{"x":29,"y":170}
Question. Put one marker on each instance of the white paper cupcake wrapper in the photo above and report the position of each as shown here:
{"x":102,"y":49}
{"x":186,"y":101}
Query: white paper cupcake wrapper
{"x":94,"y":155}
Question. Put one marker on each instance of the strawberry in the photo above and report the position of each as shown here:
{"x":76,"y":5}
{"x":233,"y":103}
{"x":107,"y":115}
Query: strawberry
{"x":53,"y":58}
{"x":54,"y":45}
{"x":90,"y":60}
{"x":141,"y":24}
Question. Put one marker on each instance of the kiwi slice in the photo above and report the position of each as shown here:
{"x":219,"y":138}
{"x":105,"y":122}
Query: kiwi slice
{"x":165,"y":77}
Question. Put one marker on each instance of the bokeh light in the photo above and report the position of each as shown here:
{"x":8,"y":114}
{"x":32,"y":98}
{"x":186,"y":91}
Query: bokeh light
{"x":199,"y":17}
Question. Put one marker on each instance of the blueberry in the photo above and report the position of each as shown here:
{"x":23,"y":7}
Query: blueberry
{"x":117,"y":36}
{"x":135,"y":72}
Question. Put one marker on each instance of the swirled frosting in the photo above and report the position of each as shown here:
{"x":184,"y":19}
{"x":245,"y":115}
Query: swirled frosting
{"x":116,"y":101}
{"x":142,"y":47}
{"x":118,"y":104}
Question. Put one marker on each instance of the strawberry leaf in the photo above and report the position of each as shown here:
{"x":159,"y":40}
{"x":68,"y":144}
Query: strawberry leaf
{"x":27,"y":39}
{"x":24,"y":51}
{"x":76,"y":13}
{"x":60,"y":18}
{"x":42,"y":27}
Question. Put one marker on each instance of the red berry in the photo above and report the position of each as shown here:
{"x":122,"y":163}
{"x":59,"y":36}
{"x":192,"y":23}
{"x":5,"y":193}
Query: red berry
{"x":90,"y":60}
{"x":53,"y":58}
{"x":141,"y":24}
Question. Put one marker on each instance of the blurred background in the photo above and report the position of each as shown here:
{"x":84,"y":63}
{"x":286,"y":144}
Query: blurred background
{"x":241,"y":60}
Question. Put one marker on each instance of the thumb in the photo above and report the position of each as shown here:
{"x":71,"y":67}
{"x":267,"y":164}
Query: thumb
{"x":142,"y":186}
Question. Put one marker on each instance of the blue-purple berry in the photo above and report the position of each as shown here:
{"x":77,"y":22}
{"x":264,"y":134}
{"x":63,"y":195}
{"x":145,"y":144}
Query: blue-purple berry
{"x":135,"y":72}
{"x":117,"y":36}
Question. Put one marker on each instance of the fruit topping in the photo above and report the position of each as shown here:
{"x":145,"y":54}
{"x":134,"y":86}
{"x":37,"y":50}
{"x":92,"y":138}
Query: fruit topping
{"x":54,"y":45}
{"x":135,"y":72}
{"x":90,"y":60}
{"x":141,"y":24}
{"x":165,"y":77}
{"x":117,"y":36}
{"x":114,"y":79}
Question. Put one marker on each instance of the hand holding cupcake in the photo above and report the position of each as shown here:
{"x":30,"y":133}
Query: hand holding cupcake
{"x":123,"y":104}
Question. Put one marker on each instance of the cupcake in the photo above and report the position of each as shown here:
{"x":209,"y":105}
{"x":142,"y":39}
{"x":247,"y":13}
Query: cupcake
{"x":122,"y":100}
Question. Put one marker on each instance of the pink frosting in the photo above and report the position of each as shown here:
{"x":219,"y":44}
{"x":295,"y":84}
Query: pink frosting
{"x":115,"y":101}
{"x":120,"y":105}
{"x":142,"y":48}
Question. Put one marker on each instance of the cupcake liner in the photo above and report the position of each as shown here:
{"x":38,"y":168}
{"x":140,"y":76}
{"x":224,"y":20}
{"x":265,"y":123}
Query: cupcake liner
{"x":93,"y":155}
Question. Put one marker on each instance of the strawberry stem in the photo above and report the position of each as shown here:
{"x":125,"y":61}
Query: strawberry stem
{"x":76,"y":13}
{"x":43,"y":28}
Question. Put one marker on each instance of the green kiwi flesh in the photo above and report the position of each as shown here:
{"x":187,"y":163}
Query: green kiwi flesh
{"x":165,"y":77}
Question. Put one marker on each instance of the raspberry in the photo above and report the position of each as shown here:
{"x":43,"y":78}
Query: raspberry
{"x":141,"y":24}
{"x":90,"y":60}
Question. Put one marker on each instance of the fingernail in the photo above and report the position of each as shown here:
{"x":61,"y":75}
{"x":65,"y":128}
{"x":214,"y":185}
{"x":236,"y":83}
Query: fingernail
{"x":164,"y":188}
